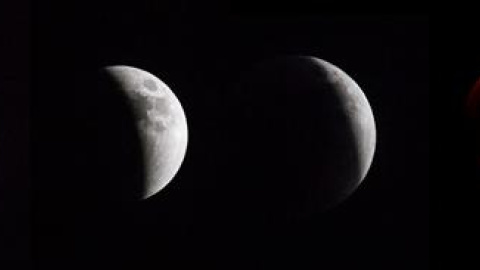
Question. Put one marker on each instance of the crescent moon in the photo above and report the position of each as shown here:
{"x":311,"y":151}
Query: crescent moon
{"x":161,"y":123}
{"x":314,"y":133}
{"x":358,"y":108}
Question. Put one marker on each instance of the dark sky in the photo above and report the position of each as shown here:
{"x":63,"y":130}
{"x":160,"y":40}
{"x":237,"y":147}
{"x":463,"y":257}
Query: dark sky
{"x":200,"y":51}
{"x":454,"y":149}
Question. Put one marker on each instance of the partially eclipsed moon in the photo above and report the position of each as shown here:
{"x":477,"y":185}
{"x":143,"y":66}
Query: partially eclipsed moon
{"x":473,"y":115}
{"x":161,"y":123}
{"x":314,"y":133}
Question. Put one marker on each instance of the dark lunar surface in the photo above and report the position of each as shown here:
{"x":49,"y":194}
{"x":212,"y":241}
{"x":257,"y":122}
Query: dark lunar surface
{"x":94,"y":165}
{"x":302,"y":147}
{"x":471,"y":115}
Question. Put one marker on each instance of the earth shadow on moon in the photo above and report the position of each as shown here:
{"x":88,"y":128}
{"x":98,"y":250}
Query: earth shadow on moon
{"x":94,"y":156}
{"x":89,"y":165}
{"x":292,"y":148}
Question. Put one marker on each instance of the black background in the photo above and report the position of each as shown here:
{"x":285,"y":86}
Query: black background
{"x":455,"y":159}
{"x":200,"y":50}
{"x":15,"y":237}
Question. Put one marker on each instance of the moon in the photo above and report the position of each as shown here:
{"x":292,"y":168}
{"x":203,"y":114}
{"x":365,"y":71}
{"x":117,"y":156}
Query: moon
{"x":358,"y":109}
{"x":472,"y":107}
{"x":473,"y":100}
{"x":311,"y":134}
{"x":161,"y":123}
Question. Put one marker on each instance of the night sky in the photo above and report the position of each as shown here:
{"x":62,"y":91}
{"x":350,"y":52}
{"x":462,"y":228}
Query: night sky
{"x":456,"y":167}
{"x":201,"y":50}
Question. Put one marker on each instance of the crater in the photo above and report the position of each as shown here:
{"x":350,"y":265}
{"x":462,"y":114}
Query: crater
{"x":150,"y":85}
{"x":159,"y":126}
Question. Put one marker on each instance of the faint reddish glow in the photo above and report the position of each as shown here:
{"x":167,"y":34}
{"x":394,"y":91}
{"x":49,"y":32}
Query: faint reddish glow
{"x":472,"y":109}
{"x":473,"y":100}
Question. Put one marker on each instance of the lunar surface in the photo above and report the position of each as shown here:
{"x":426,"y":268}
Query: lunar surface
{"x":473,"y":114}
{"x":358,"y":109}
{"x":311,"y":132}
{"x":161,"y":124}
{"x":473,"y":101}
